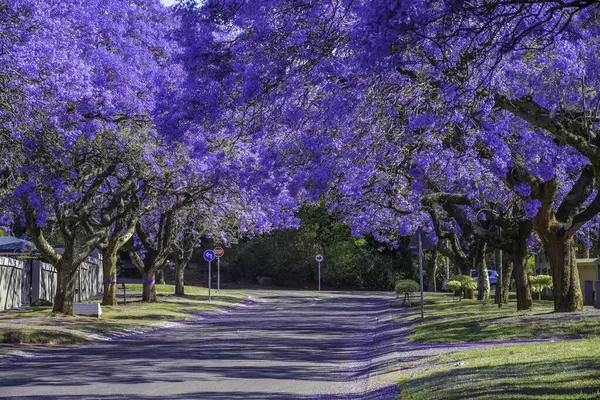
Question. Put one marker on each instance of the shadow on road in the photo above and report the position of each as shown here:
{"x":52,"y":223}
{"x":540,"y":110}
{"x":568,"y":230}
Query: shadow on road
{"x":287,"y":342}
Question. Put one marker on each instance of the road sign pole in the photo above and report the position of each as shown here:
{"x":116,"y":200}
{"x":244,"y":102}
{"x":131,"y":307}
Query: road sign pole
{"x":218,"y":273}
{"x":421,"y":272}
{"x":209,"y":255}
{"x":319,"y":277}
{"x":319,"y":259}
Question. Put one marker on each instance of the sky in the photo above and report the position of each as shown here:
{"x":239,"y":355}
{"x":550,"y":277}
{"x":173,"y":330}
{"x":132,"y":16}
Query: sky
{"x":168,"y":2}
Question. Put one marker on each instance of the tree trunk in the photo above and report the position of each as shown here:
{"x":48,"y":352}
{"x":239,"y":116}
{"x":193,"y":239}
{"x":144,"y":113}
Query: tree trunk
{"x":498,"y":267}
{"x":65,"y":289}
{"x":179,"y":279}
{"x":483,"y":280}
{"x":160,"y":276}
{"x":524,"y":298}
{"x":507,"y":271}
{"x":109,"y":269}
{"x":465,"y":269}
{"x":430,"y":270}
{"x":149,"y":289}
{"x":565,"y":275}
{"x":586,"y":250}
{"x":519,"y":260}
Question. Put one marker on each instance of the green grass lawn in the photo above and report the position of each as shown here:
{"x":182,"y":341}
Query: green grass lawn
{"x":40,"y":325}
{"x":169,"y":306}
{"x":40,"y":336}
{"x":450,"y":321}
{"x":562,"y":370}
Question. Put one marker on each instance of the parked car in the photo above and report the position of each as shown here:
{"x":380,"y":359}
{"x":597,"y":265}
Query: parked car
{"x":492,"y":274}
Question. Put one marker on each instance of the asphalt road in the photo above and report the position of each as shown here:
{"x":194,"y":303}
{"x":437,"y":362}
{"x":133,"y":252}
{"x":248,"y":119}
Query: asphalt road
{"x":290,"y":345}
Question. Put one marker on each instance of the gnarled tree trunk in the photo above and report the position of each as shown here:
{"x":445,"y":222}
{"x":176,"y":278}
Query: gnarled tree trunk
{"x":565,"y":275}
{"x":556,"y":230}
{"x":109,"y":262}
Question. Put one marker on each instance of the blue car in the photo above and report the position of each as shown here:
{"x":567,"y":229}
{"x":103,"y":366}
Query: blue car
{"x":492,"y":274}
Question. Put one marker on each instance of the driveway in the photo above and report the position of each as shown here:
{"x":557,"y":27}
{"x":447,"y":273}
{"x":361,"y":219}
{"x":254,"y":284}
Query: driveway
{"x":288,"y":345}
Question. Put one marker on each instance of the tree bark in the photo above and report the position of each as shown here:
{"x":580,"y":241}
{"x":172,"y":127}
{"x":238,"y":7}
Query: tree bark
{"x":507,"y":271}
{"x":65,"y":289}
{"x":149,"y":289}
{"x":483,"y":280}
{"x":109,"y":253}
{"x":519,"y":260}
{"x":179,"y":279}
{"x":109,"y":269}
{"x":430,"y":270}
{"x":160,"y":276}
{"x":565,"y":275}
{"x":556,"y":229}
{"x":524,"y":298}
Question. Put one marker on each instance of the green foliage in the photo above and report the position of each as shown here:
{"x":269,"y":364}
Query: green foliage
{"x":453,"y":285}
{"x":540,"y":282}
{"x":530,"y":264}
{"x":289,"y":256}
{"x":466,"y":282}
{"x":406,"y":286}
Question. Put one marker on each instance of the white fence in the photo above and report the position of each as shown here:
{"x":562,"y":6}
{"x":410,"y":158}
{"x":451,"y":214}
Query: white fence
{"x":25,"y":281}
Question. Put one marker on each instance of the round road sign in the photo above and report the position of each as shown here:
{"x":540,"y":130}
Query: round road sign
{"x":319,"y":258}
{"x":209,"y":255}
{"x":219,"y":252}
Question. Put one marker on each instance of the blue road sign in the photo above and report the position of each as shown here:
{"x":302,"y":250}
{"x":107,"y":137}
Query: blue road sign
{"x":209,"y":255}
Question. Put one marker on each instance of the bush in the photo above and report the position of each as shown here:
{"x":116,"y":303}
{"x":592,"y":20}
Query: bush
{"x":453,"y":285}
{"x":406,"y":286}
{"x":540,"y":282}
{"x":466,"y":283}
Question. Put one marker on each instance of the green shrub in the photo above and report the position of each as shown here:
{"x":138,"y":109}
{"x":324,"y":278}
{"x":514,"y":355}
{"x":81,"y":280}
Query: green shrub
{"x":540,"y":282}
{"x":466,"y":283}
{"x":453,"y":285}
{"x":406,"y":286}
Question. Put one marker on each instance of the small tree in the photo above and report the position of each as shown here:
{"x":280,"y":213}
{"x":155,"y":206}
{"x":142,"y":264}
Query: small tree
{"x":406,"y":287}
{"x":455,"y":286}
{"x":466,"y":284}
{"x":539,"y":283}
